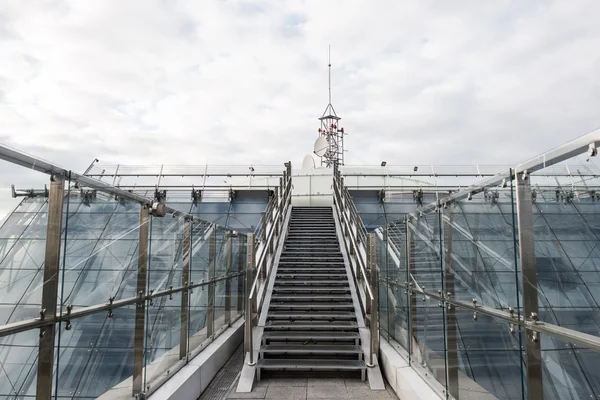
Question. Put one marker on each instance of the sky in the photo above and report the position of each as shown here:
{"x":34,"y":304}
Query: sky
{"x":243,"y":82}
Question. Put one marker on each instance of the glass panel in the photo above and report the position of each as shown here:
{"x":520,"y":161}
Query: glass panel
{"x":163,"y":314}
{"x":489,"y":358}
{"x":429,"y":346}
{"x":96,"y":355}
{"x":220,"y":271}
{"x":198,"y":303}
{"x":18,"y":364}
{"x":399,"y":299}
{"x":570,"y":372}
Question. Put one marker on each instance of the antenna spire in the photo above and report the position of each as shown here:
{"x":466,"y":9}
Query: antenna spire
{"x":329,"y":74}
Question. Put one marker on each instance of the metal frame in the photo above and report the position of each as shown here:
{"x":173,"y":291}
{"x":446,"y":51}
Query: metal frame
{"x":533,"y":354}
{"x":210,"y":312}
{"x":50,"y":288}
{"x":140,"y":308}
{"x":450,"y":314}
{"x":185,"y":293}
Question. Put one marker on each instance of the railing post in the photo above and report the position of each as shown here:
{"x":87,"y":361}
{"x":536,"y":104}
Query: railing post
{"x":250,"y":269}
{"x":228,"y":259}
{"x":140,"y":309}
{"x":374,"y":278}
{"x":263,"y":226}
{"x":185,"y":278}
{"x":533,"y":356}
{"x":452,"y":358}
{"x":50,"y":288}
{"x":412,"y":298}
{"x":241,"y":267}
{"x":210,"y":313}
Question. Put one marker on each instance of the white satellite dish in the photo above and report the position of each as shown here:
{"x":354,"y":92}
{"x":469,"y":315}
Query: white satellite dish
{"x":321,"y":146}
{"x":308,"y":162}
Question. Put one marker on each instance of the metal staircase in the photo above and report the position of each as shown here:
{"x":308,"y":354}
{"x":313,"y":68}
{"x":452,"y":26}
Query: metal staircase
{"x":311,"y":321}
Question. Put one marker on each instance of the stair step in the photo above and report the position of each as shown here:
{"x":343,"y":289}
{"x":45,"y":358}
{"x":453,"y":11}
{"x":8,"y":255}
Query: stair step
{"x":305,"y":325}
{"x":283,"y":289}
{"x":335,"y":315}
{"x":311,"y":297}
{"x":310,"y":335}
{"x":311,"y":364}
{"x":299,"y":275}
{"x":282,"y":283}
{"x":312,"y":306}
{"x":314,"y":349}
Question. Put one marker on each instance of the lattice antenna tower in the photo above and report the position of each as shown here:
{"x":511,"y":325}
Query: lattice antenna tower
{"x":332,"y":133}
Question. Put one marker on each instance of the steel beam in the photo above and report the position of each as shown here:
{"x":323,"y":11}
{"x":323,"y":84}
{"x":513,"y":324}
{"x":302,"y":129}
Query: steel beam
{"x":140,"y":309}
{"x":50,"y":288}
{"x":533,"y":354}
{"x":450,"y":314}
{"x":185,"y":293}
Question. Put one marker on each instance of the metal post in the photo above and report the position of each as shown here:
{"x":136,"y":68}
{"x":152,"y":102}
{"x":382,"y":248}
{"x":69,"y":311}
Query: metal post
{"x":250,"y":267}
{"x":263,"y":228}
{"x":210,"y":314}
{"x":228,"y":280}
{"x":452,"y":356}
{"x":185,"y":278}
{"x":50,"y":287}
{"x":140,"y":309}
{"x":375,"y":301}
{"x":533,"y":355}
{"x":240,"y":267}
{"x":410,"y":272}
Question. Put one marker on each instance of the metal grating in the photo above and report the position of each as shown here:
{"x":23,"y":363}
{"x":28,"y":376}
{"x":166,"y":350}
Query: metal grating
{"x":222,"y":383}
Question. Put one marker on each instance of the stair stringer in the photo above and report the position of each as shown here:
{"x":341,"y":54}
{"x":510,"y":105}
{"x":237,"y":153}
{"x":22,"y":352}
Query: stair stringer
{"x":374,"y":375}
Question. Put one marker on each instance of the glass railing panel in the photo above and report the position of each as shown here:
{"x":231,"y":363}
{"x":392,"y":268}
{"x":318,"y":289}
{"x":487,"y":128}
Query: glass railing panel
{"x":385,"y":321}
{"x":163,"y":314}
{"x":95,"y":355}
{"x":487,"y":360}
{"x":570,"y":371}
{"x":427,"y":318}
{"x":221,"y":265}
{"x":482,"y":228}
{"x":202,"y":234}
{"x":19,"y":364}
{"x":101,"y":250}
{"x":398,"y":275}
{"x":22,"y":254}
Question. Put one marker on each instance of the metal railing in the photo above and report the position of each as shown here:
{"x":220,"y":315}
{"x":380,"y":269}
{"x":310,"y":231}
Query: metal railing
{"x":261,"y":255}
{"x":428,"y":258}
{"x":360,"y":246}
{"x":177,"y":250}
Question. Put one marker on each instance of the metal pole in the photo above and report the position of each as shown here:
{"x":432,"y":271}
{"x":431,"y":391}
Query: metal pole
{"x":240,"y":267}
{"x":210,"y":314}
{"x":185,"y":278}
{"x":375,"y":301}
{"x":228,"y":260}
{"x":533,"y":354}
{"x":410,"y":271}
{"x":452,"y":358}
{"x":140,"y":310}
{"x":250,"y":267}
{"x":50,"y":287}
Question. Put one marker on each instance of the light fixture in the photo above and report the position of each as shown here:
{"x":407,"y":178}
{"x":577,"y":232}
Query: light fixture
{"x":251,"y":168}
{"x":415,"y":168}
{"x":383,"y":163}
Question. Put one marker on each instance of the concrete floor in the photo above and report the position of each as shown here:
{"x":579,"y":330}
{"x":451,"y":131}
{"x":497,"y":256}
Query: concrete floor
{"x":328,"y":388}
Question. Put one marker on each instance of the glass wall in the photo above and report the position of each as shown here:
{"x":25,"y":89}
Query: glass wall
{"x":466,"y":281}
{"x":98,"y":283}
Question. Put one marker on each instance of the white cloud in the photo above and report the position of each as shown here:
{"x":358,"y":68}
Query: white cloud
{"x":151,"y":82}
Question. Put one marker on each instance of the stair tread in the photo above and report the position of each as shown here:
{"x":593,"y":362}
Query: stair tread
{"x":312,"y":305}
{"x":320,"y":315}
{"x":309,"y":334}
{"x":314,"y":348}
{"x":267,"y":363}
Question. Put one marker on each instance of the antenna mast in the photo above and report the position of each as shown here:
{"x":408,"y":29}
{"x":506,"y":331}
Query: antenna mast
{"x":334,"y":135}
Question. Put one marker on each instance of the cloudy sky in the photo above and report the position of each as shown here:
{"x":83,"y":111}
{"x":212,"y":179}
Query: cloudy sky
{"x":228,"y":82}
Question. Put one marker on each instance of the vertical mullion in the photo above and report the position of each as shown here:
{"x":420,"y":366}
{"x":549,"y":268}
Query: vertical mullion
{"x":449,"y":290}
{"x":228,"y":238}
{"x":210,"y":320}
{"x":533,"y":354}
{"x":50,"y":288}
{"x":140,"y":310}
{"x":185,"y":279}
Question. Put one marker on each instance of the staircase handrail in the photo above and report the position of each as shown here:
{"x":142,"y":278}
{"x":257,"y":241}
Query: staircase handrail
{"x":262,"y":251}
{"x":363,"y":247}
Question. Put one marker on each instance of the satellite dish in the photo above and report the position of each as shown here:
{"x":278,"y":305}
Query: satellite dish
{"x":321,"y":146}
{"x":308,"y":162}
